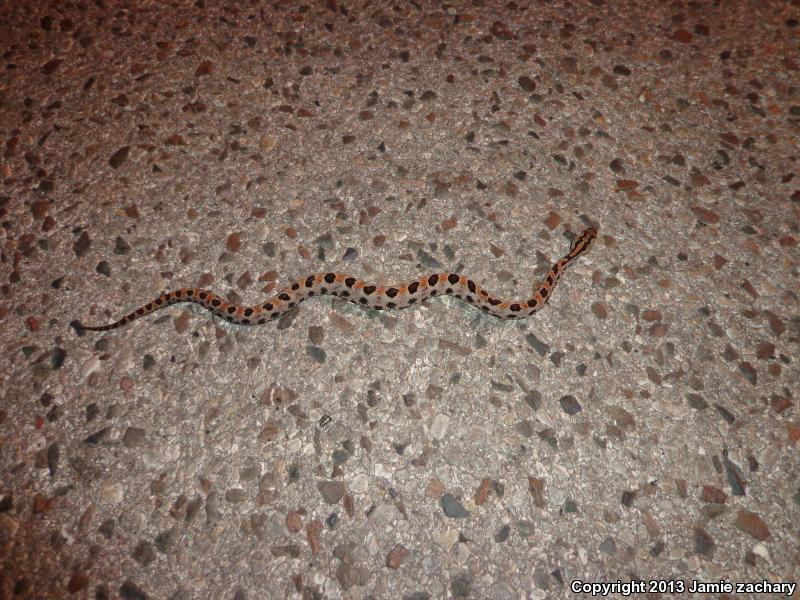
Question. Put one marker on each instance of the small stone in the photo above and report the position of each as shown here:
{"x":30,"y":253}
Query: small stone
{"x":144,"y":554}
{"x":98,"y":436}
{"x":765,"y":350}
{"x":332,"y":491}
{"x":725,"y":413}
{"x":288,"y":550}
{"x":104,"y":268}
{"x":552,"y":221}
{"x":82,"y":245}
{"x":77,"y":582}
{"x":130,"y":591}
{"x":53,"y":455}
{"x":111,"y":493}
{"x":753,"y":524}
{"x":651,"y":315}
{"x":57,"y":357}
{"x":316,"y":334}
{"x":525,"y":528}
{"x":461,"y":586}
{"x":39,"y":209}
{"x":627,"y":498}
{"x":483,"y":491}
{"x":234,"y":242}
{"x":683,"y":36}
{"x":121,"y":247}
{"x":704,"y":543}
{"x":705,"y":215}
{"x":133,"y":437}
{"x":622,"y":418}
{"x":713,"y":495}
{"x":119,"y":157}
{"x":51,"y":66}
{"x":734,"y":476}
{"x":439,"y":427}
{"x":445,"y":539}
{"x":779,"y":403}
{"x":126,"y":383}
{"x":534,"y":399}
{"x":204,"y":68}
{"x":294,"y":521}
{"x":452,"y":507}
{"x":617,"y":166}
{"x":536,"y":488}
{"x":286,"y":319}
{"x":539,"y":346}
{"x":650,"y":524}
{"x":750,"y":373}
{"x":696,"y":401}
{"x":608,"y":546}
{"x":427,"y":260}
{"x":526,"y":83}
{"x":570,"y":404}
{"x":235,"y":495}
{"x":397,"y":556}
{"x":317,"y":354}
{"x":267,"y":143}
{"x":313,"y":530}
{"x":502,"y":535}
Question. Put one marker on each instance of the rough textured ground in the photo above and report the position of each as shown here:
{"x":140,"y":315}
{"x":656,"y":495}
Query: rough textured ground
{"x":643,"y":426}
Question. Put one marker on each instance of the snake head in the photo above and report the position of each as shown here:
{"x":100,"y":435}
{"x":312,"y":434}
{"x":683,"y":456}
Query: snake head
{"x":582,"y":242}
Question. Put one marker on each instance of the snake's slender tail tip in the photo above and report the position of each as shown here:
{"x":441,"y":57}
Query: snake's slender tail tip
{"x":80,"y":328}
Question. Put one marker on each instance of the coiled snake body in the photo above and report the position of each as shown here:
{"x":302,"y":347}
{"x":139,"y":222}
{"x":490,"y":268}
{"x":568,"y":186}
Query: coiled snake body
{"x":371,"y":296}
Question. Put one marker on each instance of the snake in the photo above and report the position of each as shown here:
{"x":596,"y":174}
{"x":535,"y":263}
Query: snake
{"x":365,"y":294}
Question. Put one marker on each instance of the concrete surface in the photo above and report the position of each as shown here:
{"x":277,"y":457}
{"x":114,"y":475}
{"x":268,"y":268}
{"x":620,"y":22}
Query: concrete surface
{"x":644,"y":426}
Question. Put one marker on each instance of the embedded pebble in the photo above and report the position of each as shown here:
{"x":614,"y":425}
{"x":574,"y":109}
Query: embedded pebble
{"x":570,"y":404}
{"x":452,"y":507}
{"x":332,"y":491}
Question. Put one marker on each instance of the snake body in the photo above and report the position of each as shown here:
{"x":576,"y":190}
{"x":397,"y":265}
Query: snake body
{"x":365,"y":294}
